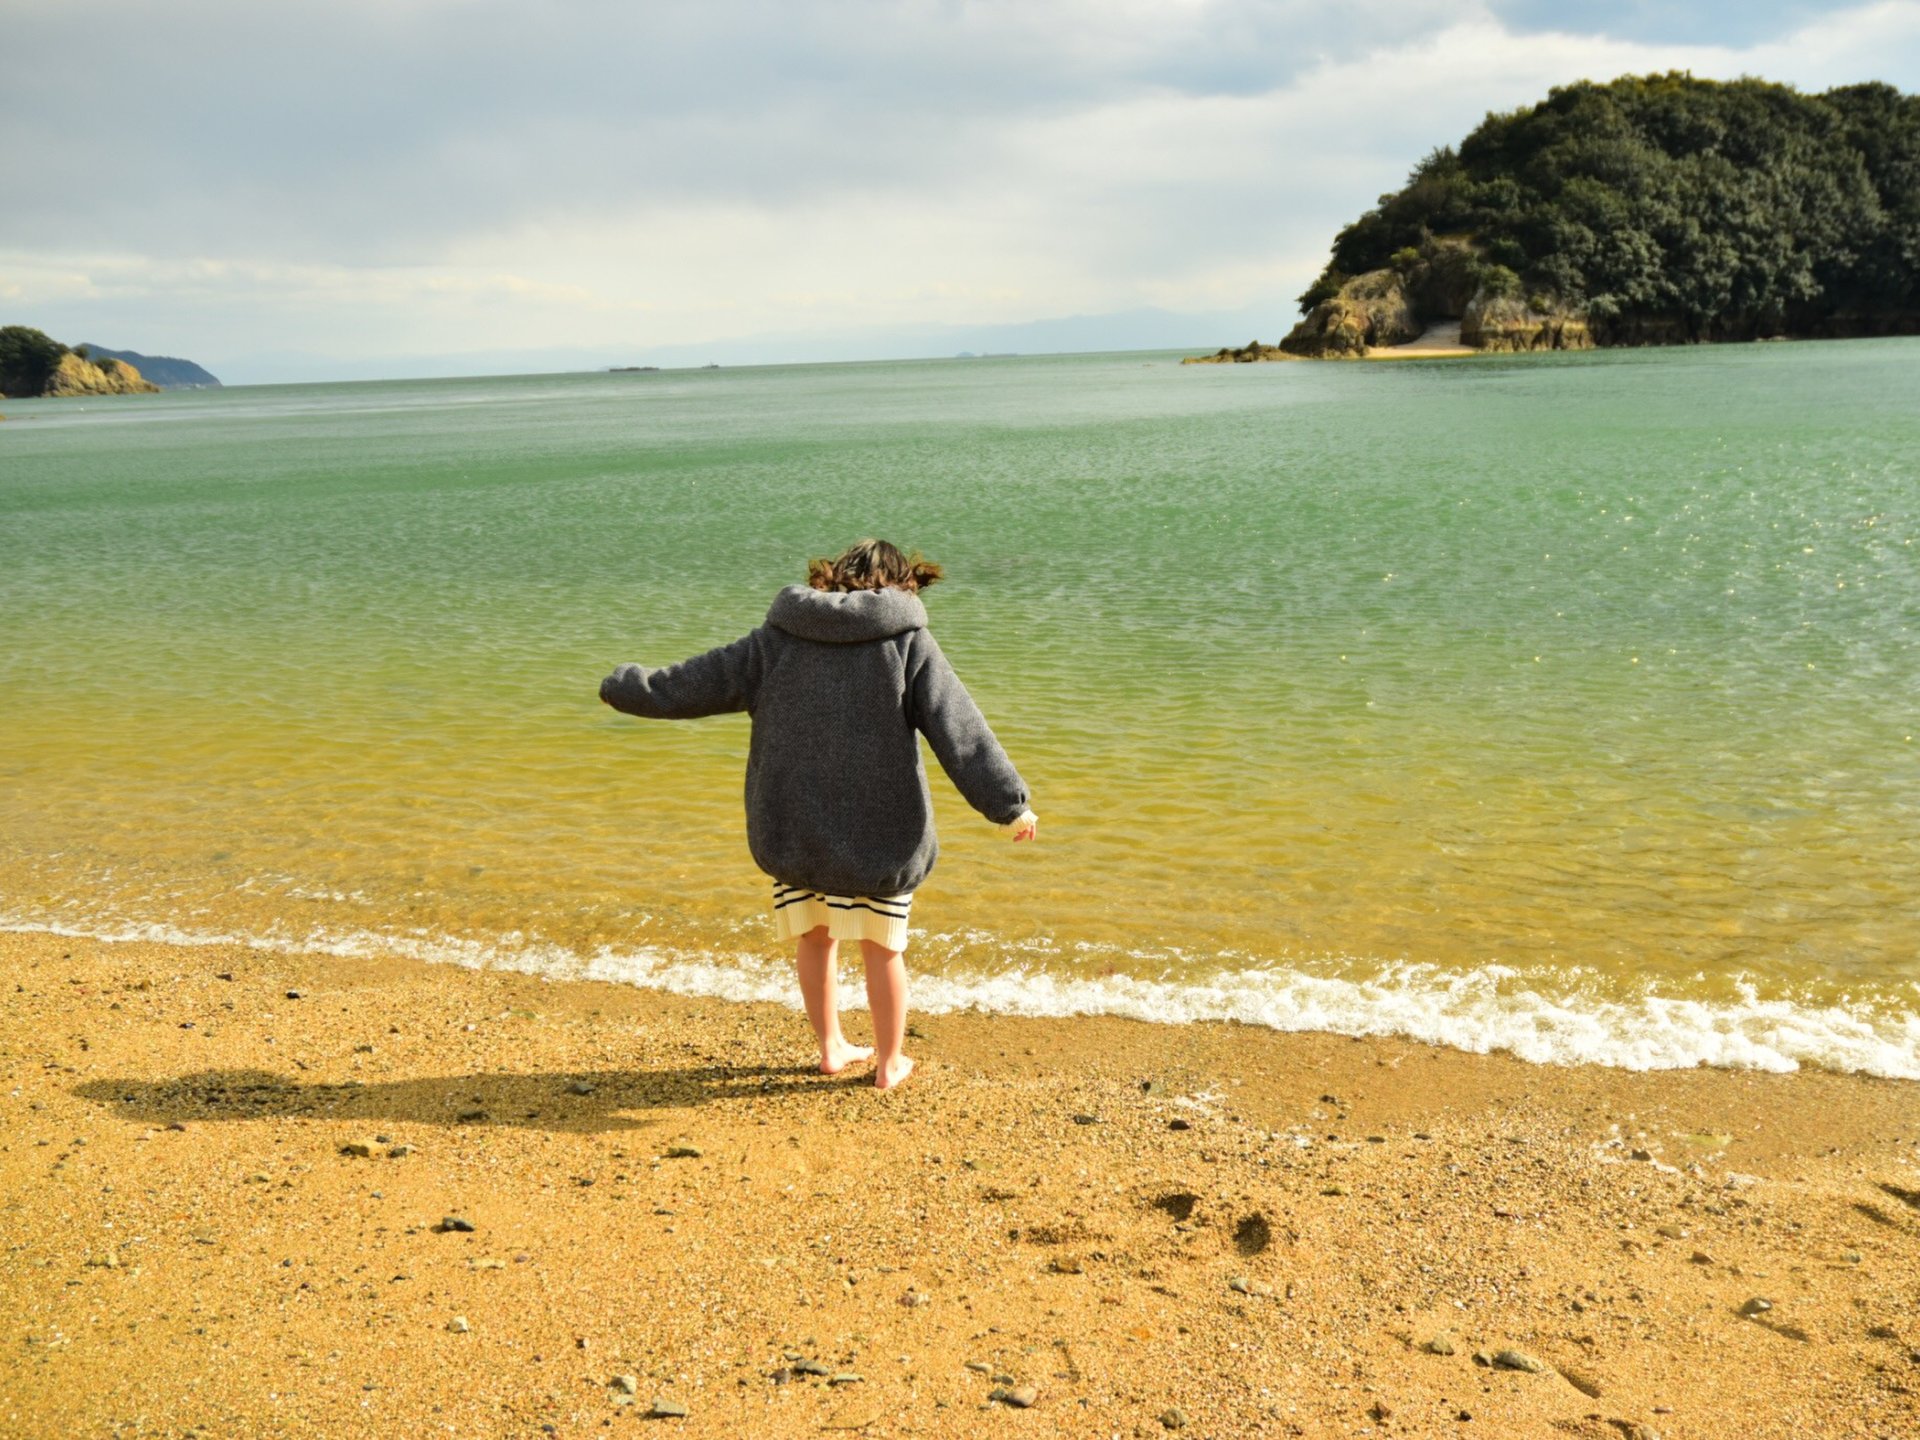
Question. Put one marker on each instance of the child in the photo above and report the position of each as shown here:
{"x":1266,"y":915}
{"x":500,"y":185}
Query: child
{"x":838,"y":681}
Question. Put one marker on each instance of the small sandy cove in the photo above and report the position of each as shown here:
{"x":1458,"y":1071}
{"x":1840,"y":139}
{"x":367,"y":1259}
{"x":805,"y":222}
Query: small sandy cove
{"x":252,"y":1195}
{"x":1436,"y":342}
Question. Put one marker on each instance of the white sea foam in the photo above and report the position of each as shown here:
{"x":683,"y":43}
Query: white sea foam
{"x":1488,"y":1008}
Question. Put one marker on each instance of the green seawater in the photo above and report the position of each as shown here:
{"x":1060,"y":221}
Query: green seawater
{"x":1566,"y":704}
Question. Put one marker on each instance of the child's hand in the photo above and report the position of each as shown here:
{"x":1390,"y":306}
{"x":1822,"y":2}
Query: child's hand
{"x":1027,"y":827}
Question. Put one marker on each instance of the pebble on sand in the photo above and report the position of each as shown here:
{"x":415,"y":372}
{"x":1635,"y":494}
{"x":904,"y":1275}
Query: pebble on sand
{"x":665,"y":1409}
{"x":1021,"y":1397}
{"x":363,"y":1149}
{"x":458,"y":1325}
{"x":683,"y":1152}
{"x":1581,"y":1381}
{"x":625,"y":1384}
{"x":1518,"y":1360}
{"x":1758,"y":1305}
{"x":1174,"y":1418}
{"x":451,"y":1224}
{"x":1440,"y":1345}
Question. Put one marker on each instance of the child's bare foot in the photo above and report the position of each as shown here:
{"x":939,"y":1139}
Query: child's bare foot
{"x":836,"y":1055}
{"x":893,"y":1072}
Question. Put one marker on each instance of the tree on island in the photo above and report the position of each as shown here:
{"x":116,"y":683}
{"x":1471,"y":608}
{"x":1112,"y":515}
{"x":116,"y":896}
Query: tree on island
{"x":1653,"y":209}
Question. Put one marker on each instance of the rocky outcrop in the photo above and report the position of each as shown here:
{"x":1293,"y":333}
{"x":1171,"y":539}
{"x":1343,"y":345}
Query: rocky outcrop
{"x":1441,"y":281}
{"x":1371,"y":309}
{"x":75,"y":376}
{"x":1247,"y":354}
{"x":1507,"y":324}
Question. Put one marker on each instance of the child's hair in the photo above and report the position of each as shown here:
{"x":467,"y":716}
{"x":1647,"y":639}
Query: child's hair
{"x":873,"y":565}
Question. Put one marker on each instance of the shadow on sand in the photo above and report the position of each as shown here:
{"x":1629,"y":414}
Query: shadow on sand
{"x":551,"y":1100}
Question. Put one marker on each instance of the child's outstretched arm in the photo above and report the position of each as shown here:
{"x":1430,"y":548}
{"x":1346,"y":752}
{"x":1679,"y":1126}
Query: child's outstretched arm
{"x":715,"y":683}
{"x":943,"y":711}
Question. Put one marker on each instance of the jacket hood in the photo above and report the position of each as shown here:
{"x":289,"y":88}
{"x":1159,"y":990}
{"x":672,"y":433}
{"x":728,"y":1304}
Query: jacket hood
{"x":846,"y":617}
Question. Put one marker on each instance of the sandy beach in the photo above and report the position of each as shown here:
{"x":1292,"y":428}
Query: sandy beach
{"x":253,"y":1194}
{"x":1436,"y":342}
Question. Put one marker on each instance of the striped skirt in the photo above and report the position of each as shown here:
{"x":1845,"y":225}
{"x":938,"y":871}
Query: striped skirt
{"x":879,"y":918}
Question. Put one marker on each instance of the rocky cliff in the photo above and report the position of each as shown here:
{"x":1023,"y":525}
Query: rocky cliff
{"x":1371,"y":309}
{"x":1427,"y":284}
{"x":75,"y":376}
{"x":1507,"y":323}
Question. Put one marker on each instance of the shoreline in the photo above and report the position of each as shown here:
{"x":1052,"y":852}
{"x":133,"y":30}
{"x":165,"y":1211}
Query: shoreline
{"x":1495,"y":1009}
{"x":1263,"y":1230}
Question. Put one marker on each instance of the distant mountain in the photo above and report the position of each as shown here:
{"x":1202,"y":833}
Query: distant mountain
{"x":163,"y":370}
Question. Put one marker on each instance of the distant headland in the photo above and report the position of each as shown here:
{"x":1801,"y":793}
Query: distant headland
{"x":1652,"y":210}
{"x":33,"y":364}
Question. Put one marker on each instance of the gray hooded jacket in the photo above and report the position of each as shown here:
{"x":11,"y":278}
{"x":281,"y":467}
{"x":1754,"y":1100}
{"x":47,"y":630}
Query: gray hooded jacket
{"x":837,"y":685}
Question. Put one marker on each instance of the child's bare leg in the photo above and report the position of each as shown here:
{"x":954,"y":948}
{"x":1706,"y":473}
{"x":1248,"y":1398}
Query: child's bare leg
{"x":887,"y":1003}
{"x":817,"y":961}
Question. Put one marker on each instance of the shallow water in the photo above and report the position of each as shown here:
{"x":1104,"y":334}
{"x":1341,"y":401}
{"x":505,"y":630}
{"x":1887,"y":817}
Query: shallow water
{"x":1564,"y":704}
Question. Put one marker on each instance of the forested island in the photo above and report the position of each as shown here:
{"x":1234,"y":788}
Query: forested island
{"x":1650,"y":210}
{"x":33,"y":363}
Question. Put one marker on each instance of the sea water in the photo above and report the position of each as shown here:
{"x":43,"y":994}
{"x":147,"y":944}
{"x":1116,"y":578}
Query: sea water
{"x":1560,"y":704}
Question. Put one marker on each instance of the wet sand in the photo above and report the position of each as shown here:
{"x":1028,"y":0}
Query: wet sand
{"x":225,"y":1215}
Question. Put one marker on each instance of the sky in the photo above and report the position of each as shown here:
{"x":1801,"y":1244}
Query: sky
{"x":379,"y":188}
